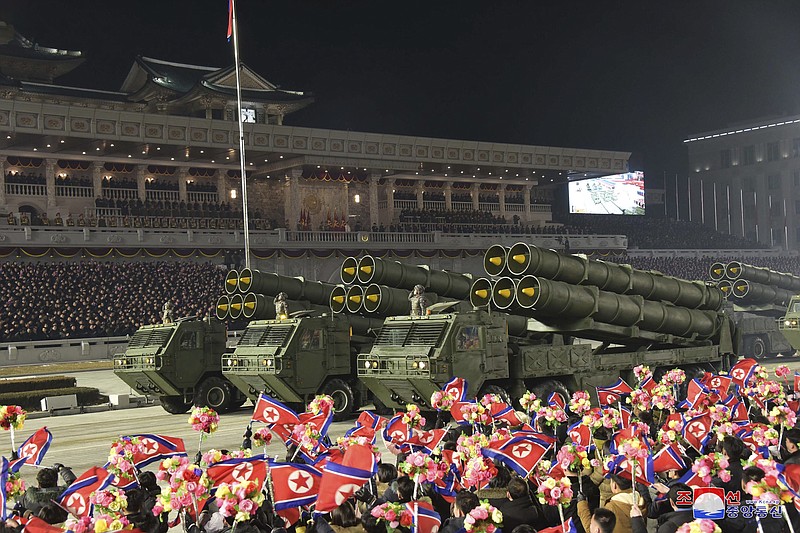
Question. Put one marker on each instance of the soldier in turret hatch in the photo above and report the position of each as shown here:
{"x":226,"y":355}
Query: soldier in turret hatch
{"x":166,"y":313}
{"x":281,"y":305}
{"x":419,"y":303}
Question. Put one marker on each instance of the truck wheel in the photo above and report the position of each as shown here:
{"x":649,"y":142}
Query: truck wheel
{"x":543,"y":389}
{"x":758,"y":349}
{"x":215,"y":393}
{"x":343,"y":400}
{"x":174,"y":405}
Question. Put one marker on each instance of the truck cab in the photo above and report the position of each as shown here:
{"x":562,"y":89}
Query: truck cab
{"x":293,"y":359}
{"x":789,"y":324}
{"x":180,"y":364}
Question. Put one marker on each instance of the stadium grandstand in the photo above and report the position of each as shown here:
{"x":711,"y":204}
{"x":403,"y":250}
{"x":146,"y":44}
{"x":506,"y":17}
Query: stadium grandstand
{"x":112,"y":203}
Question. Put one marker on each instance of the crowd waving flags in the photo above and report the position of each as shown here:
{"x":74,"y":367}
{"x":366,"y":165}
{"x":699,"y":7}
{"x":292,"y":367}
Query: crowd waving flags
{"x":706,"y":431}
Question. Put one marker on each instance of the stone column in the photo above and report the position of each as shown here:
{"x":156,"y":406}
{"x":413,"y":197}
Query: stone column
{"x":501,"y":196}
{"x":373,"y":200}
{"x":183,"y":176}
{"x":420,"y":190}
{"x":526,"y":202}
{"x":50,"y":180}
{"x":475,"y":196}
{"x":292,"y":203}
{"x":389,"y":187}
{"x":141,"y":175}
{"x":222,"y":188}
{"x":97,"y":179}
{"x":448,"y":196}
{"x":3,"y":181}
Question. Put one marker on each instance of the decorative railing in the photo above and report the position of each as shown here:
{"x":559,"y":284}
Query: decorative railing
{"x":461,"y":206}
{"x":489,"y":206}
{"x":24,"y":189}
{"x":200,"y":197}
{"x":120,"y":193}
{"x":74,"y":191}
{"x":405,"y":204}
{"x":433,"y":204}
{"x":162,"y":196}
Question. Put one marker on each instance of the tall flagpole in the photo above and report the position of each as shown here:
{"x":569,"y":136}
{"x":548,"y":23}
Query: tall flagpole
{"x":716,"y":220}
{"x":728,"y":194}
{"x":702,"y":205}
{"x":677,"y":202}
{"x":741,"y":204}
{"x":241,"y":135}
{"x":689,"y":193}
{"x":785,"y":226}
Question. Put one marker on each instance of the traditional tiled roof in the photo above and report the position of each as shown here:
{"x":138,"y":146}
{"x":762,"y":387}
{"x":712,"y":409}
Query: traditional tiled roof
{"x":23,"y":59}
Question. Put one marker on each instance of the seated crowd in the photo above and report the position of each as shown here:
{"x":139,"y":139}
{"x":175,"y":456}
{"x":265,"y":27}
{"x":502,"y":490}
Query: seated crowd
{"x":72,"y":181}
{"x":26,"y":178}
{"x":54,"y":300}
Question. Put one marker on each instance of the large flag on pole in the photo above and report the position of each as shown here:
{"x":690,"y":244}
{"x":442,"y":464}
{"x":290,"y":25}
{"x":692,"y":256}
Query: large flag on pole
{"x":32,"y":450}
{"x":230,"y":19}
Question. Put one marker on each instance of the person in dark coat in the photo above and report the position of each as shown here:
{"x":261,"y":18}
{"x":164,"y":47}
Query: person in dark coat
{"x":464,"y":503}
{"x":517,"y":507}
{"x":667,"y":522}
{"x":47,"y":478}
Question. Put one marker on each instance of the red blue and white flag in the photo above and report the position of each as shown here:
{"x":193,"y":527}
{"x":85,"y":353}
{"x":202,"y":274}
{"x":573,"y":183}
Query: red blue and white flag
{"x":342,"y":480}
{"x":3,"y":494}
{"x":580,"y":434}
{"x":230,"y":19}
{"x":569,"y":526}
{"x":76,"y":498}
{"x":743,"y":370}
{"x":238,"y":470}
{"x":270,"y":411}
{"x":692,"y":479}
{"x":697,"y":431}
{"x":396,"y":431}
{"x":368,"y":419}
{"x":293,"y":485}
{"x":32,"y":451}
{"x":608,"y":396}
{"x":456,"y":388}
{"x":668,"y":458}
{"x":428,"y":520}
{"x":427,"y":441}
{"x":157,"y":447}
{"x":521,"y":454}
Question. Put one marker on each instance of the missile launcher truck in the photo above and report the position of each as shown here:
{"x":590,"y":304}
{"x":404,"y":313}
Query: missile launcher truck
{"x":295,"y":357}
{"x":522,"y":329}
{"x":180,"y":364}
{"x":757,"y":298}
{"x":789,"y":324}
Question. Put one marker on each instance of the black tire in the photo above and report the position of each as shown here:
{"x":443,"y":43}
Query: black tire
{"x":344,"y":402}
{"x":544,"y":388}
{"x":758,"y":348}
{"x":215,"y":393}
{"x":174,"y":405}
{"x":380,"y":408}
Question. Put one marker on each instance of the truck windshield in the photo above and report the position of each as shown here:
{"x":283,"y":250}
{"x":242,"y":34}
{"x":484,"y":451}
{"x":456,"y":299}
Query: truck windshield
{"x":273,"y":335}
{"x":411,"y":334}
{"x":150,"y":338}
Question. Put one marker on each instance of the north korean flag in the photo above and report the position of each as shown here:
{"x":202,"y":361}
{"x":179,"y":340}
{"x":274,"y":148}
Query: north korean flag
{"x":361,"y":431}
{"x":502,"y":412}
{"x":368,"y":419}
{"x":342,"y":480}
{"x":739,"y":413}
{"x":35,"y":524}
{"x":625,"y":416}
{"x":668,"y":458}
{"x":427,"y":441}
{"x":3,"y":494}
{"x":696,"y":392}
{"x":32,"y":451}
{"x":613,"y":394}
{"x":396,"y":431}
{"x":457,"y":388}
{"x":76,"y":498}
{"x":556,"y":399}
{"x":648,"y":384}
{"x":568,"y":526}
{"x":450,"y":484}
{"x":580,"y":434}
{"x":796,"y":381}
{"x":645,"y":473}
{"x":457,"y":414}
{"x":743,"y":370}
{"x":696,"y":431}
{"x":428,"y":520}
{"x":630,"y":432}
{"x":270,"y":411}
{"x":321,"y":421}
{"x":521,"y":454}
{"x":693,"y":480}
{"x":124,"y":481}
{"x":717,"y":383}
{"x":293,"y":485}
{"x":157,"y":447}
{"x":238,"y":470}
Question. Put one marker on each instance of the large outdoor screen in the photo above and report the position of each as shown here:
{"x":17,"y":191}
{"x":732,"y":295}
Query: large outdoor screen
{"x":620,"y":194}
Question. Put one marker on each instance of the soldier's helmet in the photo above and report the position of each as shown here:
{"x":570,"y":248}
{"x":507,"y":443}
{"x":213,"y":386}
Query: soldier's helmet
{"x":281,"y":296}
{"x":419,"y":289}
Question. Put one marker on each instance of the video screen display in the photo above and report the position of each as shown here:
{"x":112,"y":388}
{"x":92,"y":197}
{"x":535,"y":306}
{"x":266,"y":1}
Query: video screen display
{"x":620,"y":194}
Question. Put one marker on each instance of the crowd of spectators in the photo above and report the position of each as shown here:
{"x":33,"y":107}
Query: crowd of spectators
{"x":119,"y":183}
{"x":25,"y":178}
{"x":160,"y":185}
{"x":73,"y":181}
{"x":430,"y":216}
{"x":657,"y":233}
{"x":53,"y":300}
{"x":195,"y":186}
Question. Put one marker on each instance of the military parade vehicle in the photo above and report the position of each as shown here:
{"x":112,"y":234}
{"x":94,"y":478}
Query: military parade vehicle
{"x":300,"y":354}
{"x":548,"y":322}
{"x":756,"y":298}
{"x":789,"y":324}
{"x":179,"y":363}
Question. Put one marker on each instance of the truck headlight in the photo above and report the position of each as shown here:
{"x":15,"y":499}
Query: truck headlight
{"x":149,"y":360}
{"x":230,"y":362}
{"x":422,"y":365}
{"x":366,"y":364}
{"x":270,"y":362}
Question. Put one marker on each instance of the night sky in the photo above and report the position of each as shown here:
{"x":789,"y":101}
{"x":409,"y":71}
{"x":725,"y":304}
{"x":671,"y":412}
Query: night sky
{"x":637,"y":76}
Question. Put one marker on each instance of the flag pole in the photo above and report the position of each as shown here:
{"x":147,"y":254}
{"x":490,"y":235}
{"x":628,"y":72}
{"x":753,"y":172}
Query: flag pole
{"x":235,"y":29}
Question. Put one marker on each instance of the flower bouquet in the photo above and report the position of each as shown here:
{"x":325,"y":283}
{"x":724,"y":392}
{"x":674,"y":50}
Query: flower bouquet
{"x":642,"y":373}
{"x":770,"y":491}
{"x":240,"y":500}
{"x":413,"y":416}
{"x":556,"y":493}
{"x":611,"y":418}
{"x":12,"y":417}
{"x":640,"y":399}
{"x":212,"y":457}
{"x":307,"y":437}
{"x":783,"y":415}
{"x":122,"y":456}
{"x":442,"y":400}
{"x":673,"y":377}
{"x":485,"y":518}
{"x":526,"y":402}
{"x":111,"y":501}
{"x":663,"y":397}
{"x":262,"y":437}
{"x":551,"y":415}
{"x":764,"y":436}
{"x":99,"y":523}
{"x":671,"y":431}
{"x":574,"y":458}
{"x":394,"y":514}
{"x":322,"y":403}
{"x":422,"y":467}
{"x":476,"y":413}
{"x":712,"y":465}
{"x":469,"y":446}
{"x":477,"y":472}
{"x":205,"y":421}
{"x":580,"y":403}
{"x":15,"y":485}
{"x":700,"y":526}
{"x":187,"y":483}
